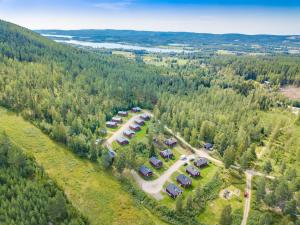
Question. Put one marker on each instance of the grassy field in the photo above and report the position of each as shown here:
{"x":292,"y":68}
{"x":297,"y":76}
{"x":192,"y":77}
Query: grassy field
{"x":95,"y":193}
{"x":283,"y":144}
{"x":233,"y":182}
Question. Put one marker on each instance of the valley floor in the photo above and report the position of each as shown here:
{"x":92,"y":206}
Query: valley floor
{"x":95,"y":193}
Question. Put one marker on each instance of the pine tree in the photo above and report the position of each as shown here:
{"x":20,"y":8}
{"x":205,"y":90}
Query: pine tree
{"x":229,"y":157}
{"x":179,"y":204}
{"x":226,"y":217}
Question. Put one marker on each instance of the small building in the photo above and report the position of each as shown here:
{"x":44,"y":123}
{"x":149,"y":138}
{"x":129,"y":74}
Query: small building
{"x":135,"y":127}
{"x":201,"y":162}
{"x":145,"y":116}
{"x":173,"y":190}
{"x":145,"y":171}
{"x":117,"y":119}
{"x":111,"y":124}
{"x":184,"y":181}
{"x":208,"y":146}
{"x":139,"y":122}
{"x":123,"y":113}
{"x":136,"y":109}
{"x":128,"y":133}
{"x":112,"y":154}
{"x":192,"y":171}
{"x":171,"y":142}
{"x":122,"y":141}
{"x":167,"y":154}
{"x":156,"y":162}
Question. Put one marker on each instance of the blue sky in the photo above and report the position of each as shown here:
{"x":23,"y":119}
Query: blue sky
{"x":210,"y":16}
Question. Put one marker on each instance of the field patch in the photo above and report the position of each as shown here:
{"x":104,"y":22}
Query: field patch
{"x":291,"y":92}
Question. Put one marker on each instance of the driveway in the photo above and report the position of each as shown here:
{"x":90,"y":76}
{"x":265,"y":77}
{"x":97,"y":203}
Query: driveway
{"x":154,"y":187}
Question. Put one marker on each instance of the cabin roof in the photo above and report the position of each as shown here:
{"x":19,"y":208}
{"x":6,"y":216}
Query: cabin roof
{"x":184,"y":180}
{"x":167,"y":152}
{"x":139,"y":120}
{"x":128,"y":132}
{"x":111,"y":123}
{"x":193,"y":170}
{"x":173,"y":189}
{"x":170,"y":141}
{"x":145,"y":170}
{"x":136,"y":108}
{"x":155,"y":160}
{"x":201,"y":161}
{"x":135,"y":126}
{"x":122,"y":139}
{"x":208,"y":145}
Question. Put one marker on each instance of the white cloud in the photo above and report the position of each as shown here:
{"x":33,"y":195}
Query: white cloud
{"x":109,"y":5}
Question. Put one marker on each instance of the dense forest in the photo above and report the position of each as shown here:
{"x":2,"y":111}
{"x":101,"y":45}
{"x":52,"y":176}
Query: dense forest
{"x":84,"y":89}
{"x":27,"y":195}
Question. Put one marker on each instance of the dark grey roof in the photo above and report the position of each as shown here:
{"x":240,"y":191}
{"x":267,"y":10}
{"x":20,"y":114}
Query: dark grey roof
{"x":145,"y":170}
{"x":184,"y":180}
{"x":128,"y":132}
{"x":112,"y":153}
{"x":192,"y":170}
{"x":111,"y":123}
{"x":122,"y":139}
{"x":155,"y":161}
{"x":135,"y":126}
{"x":139,"y":120}
{"x":122,"y":112}
{"x":201,"y":161}
{"x":136,"y":108}
{"x":145,"y":116}
{"x":173,"y":189}
{"x":171,"y":141}
{"x":208,"y":145}
{"x":167,"y":152}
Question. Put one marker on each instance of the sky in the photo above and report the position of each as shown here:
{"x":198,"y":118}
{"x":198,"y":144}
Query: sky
{"x":202,"y":16}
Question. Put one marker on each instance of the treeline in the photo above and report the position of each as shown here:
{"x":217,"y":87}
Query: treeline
{"x":27,"y":195}
{"x":277,"y":195}
{"x":220,"y":116}
{"x":278,"y":70}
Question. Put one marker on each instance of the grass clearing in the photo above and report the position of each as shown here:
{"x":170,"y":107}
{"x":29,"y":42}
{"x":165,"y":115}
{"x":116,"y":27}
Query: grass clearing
{"x":96,"y":194}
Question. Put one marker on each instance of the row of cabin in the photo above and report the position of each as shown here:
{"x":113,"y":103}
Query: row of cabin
{"x":155,"y":162}
{"x":114,"y":122}
{"x":132,"y":129}
{"x":185,"y":181}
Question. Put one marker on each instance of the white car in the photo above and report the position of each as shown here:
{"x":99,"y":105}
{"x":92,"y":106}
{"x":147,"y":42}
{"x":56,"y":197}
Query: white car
{"x":183,"y":157}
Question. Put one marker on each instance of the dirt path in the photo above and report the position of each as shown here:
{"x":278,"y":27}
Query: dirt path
{"x":248,"y":199}
{"x":198,"y":152}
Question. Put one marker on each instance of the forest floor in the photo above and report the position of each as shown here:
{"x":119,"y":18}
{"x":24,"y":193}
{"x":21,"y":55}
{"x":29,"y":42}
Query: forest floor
{"x":95,"y":193}
{"x":291,"y":92}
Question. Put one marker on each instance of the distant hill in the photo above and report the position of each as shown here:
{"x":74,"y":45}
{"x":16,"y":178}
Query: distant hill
{"x":235,"y":42}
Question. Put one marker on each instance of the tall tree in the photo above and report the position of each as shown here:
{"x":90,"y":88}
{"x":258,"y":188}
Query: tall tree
{"x":226,"y":217}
